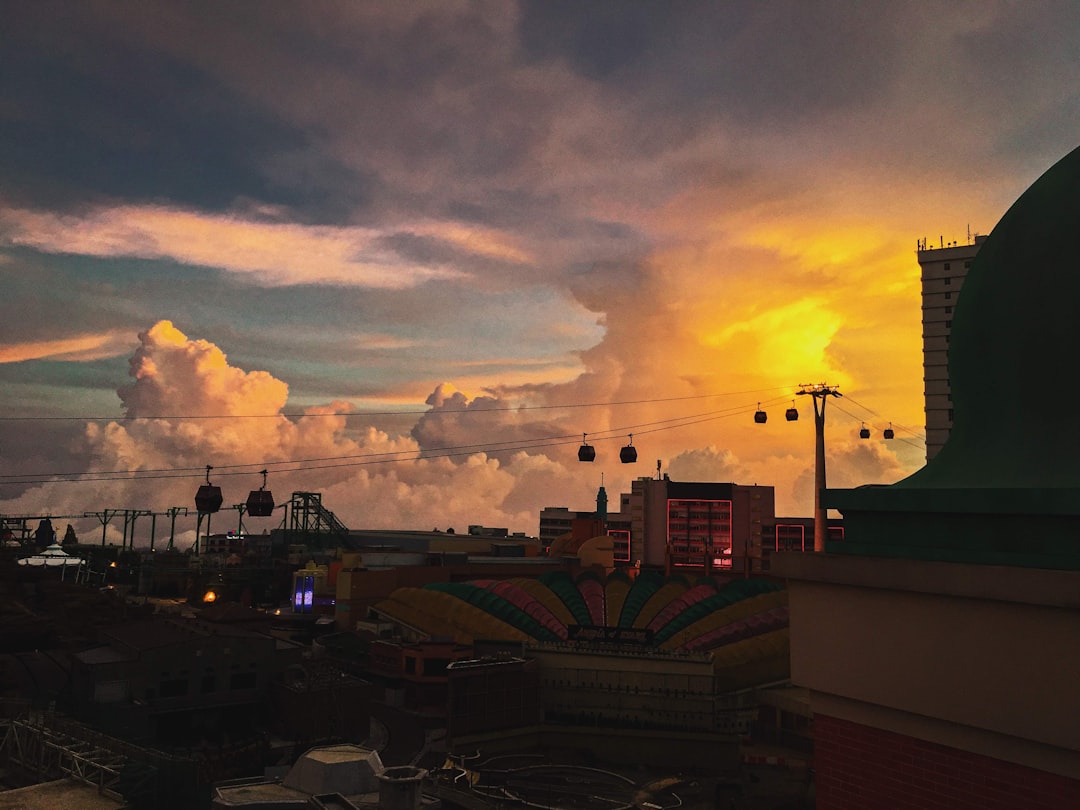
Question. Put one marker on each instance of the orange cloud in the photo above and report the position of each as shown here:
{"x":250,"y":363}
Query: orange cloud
{"x":272,"y":252}
{"x":81,"y":348}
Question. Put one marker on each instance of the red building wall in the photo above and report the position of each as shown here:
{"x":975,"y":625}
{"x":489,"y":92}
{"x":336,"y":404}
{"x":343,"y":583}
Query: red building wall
{"x":864,"y":768}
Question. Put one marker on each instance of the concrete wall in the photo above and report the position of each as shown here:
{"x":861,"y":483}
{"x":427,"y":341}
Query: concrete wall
{"x":979,"y":658}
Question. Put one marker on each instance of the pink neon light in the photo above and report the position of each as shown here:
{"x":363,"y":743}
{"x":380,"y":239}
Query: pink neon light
{"x":712,"y":533}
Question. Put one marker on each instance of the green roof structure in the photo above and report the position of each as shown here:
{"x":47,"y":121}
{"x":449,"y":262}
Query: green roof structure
{"x":1005,"y":488}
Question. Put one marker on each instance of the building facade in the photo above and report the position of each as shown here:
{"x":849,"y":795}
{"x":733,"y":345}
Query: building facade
{"x":942,"y":271}
{"x":696,"y":526}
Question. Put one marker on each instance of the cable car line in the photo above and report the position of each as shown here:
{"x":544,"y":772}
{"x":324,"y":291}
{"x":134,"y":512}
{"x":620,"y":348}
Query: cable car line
{"x":365,"y":459}
{"x":427,"y":412}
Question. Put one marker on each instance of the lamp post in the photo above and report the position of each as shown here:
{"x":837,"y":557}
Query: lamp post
{"x":820,"y":392}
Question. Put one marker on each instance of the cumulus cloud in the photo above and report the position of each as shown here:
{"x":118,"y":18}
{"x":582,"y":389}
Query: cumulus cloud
{"x":187,"y":407}
{"x":709,"y":224}
{"x":707,"y":464}
{"x":852,"y":463}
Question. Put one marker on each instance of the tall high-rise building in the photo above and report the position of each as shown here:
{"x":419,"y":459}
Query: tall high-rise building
{"x":943,"y":270}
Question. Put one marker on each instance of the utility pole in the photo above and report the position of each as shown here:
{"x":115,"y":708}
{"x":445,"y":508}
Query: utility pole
{"x":105,"y":516}
{"x":820,"y":392}
{"x":240,"y":509}
{"x":130,"y":516}
{"x":172,"y":512}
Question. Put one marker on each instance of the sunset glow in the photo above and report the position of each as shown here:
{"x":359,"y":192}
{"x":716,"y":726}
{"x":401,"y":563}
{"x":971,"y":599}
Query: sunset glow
{"x":411,"y":276}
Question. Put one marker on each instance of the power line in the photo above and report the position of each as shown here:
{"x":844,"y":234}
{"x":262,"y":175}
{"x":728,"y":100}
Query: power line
{"x":426,"y":412}
{"x":361,"y":459}
{"x":365,"y":459}
{"x":909,"y":430}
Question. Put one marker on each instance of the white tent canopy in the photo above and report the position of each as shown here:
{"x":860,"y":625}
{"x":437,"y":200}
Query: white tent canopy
{"x":52,"y":556}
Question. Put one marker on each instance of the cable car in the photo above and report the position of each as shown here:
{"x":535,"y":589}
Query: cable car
{"x":586,"y":452}
{"x":888,"y":432}
{"x":760,"y":416}
{"x":628,"y":455}
{"x":792,"y":413}
{"x":208,"y":499}
{"x":260,"y":502}
{"x":864,"y":433}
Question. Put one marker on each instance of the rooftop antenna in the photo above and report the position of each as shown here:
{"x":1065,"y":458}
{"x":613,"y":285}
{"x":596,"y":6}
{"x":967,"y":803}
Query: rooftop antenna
{"x":658,"y":469}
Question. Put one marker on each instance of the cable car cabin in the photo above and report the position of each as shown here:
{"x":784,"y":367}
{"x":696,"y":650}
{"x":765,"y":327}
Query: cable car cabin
{"x":260,"y":503}
{"x":761,"y":417}
{"x":586,"y":453}
{"x":792,"y":414}
{"x":864,"y":433}
{"x":208,"y":499}
{"x":628,"y":455}
{"x":888,"y":433}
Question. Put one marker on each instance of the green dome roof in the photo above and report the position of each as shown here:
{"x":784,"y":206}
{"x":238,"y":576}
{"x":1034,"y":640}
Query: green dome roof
{"x":1005,"y":488}
{"x":1014,"y":348}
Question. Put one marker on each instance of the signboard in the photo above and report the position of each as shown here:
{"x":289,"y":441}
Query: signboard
{"x":609,"y":635}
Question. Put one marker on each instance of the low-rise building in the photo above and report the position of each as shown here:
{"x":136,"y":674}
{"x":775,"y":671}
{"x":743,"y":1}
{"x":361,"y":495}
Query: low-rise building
{"x":171,"y":680}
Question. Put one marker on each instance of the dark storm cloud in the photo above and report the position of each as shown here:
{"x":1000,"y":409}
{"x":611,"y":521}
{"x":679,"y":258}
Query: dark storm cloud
{"x":777,"y":60}
{"x":102,"y":116}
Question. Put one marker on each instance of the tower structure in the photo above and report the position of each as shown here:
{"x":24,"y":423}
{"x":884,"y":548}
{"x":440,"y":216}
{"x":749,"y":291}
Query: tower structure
{"x":942,"y":270}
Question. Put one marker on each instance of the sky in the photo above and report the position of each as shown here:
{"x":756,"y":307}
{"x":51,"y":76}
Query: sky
{"x":409,"y":255}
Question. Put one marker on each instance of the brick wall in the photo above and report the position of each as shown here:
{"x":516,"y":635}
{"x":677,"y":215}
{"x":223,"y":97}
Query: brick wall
{"x":865,"y":768}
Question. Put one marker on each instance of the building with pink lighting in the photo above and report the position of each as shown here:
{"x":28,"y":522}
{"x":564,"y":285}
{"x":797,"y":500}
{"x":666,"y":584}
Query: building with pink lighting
{"x":698,"y":526}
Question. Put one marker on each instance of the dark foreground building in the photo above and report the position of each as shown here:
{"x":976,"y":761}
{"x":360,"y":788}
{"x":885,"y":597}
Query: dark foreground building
{"x":940,"y":640}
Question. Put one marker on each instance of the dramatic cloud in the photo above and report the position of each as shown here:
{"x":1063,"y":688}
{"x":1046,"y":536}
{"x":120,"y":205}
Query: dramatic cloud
{"x":274,"y":253}
{"x":188,"y":407}
{"x":492,"y":227}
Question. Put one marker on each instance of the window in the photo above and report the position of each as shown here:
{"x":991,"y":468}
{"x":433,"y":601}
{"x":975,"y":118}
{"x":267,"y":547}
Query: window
{"x":948,"y":266}
{"x":948,"y":310}
{"x":967,"y":264}
{"x":948,"y":281}
{"x":948,"y":296}
{"x":948,"y":324}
